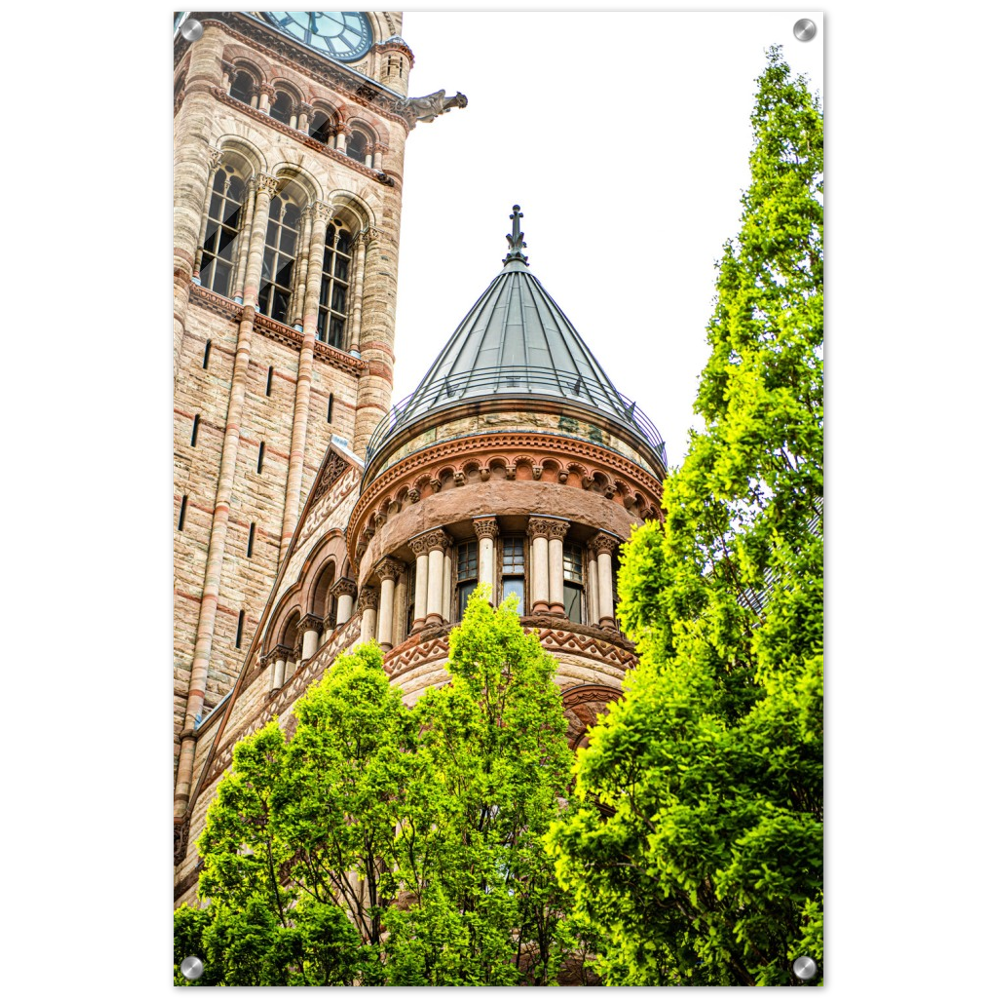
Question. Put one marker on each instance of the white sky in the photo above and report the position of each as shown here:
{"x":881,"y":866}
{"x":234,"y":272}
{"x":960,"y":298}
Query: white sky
{"x":625,"y":139}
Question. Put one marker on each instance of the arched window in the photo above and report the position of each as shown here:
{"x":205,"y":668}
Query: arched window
{"x":281,"y":109}
{"x":321,"y":128}
{"x":333,"y":285}
{"x":242,"y":87}
{"x":512,"y":570}
{"x":225,"y":210}
{"x":279,"y":257}
{"x":357,"y":146}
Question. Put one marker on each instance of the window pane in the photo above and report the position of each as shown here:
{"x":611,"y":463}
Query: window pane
{"x":464,"y":593}
{"x":220,"y":283}
{"x":339,"y":298}
{"x":321,"y":326}
{"x":515,"y":585}
{"x":287,"y":241}
{"x":337,"y":335}
{"x":573,"y":601}
{"x":573,"y":562}
{"x":341,"y":268}
{"x":279,"y":308}
{"x":513,"y":555}
{"x":468,"y":560}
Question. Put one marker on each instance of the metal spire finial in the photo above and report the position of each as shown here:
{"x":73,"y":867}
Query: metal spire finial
{"x":515,"y":240}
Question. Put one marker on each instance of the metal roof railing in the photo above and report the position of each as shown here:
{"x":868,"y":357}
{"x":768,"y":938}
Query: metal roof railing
{"x":516,"y":382}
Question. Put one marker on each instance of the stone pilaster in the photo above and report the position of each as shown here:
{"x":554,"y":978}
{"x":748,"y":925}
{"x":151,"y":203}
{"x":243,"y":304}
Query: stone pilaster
{"x":439,"y":540}
{"x":604,"y":545}
{"x":367,"y":603}
{"x":557,"y":532}
{"x":538,"y":534}
{"x":344,"y":592}
{"x":309,"y":631}
{"x":387,"y":571}
{"x":487,"y":531}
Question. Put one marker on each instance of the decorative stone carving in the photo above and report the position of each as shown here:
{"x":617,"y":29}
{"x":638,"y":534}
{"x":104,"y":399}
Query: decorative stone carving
{"x":267,"y":184}
{"x":420,"y":545}
{"x":367,"y":599}
{"x":371,"y":236}
{"x":439,"y":539}
{"x":389,"y":568}
{"x":330,"y":621}
{"x":536,"y":472}
{"x":603,"y":542}
{"x":426,"y":109}
{"x":309,"y":623}
{"x":332,"y":471}
{"x":344,"y":586}
{"x":266,"y":90}
{"x":459,"y":478}
{"x":486,"y":527}
{"x":547,"y":527}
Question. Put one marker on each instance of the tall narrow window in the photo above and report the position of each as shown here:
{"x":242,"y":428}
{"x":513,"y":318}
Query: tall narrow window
{"x":260,"y":458}
{"x":329,"y":409}
{"x":279,"y":258}
{"x":468,"y":573}
{"x":239,"y":630}
{"x":194,"y":430}
{"x":242,"y":87}
{"x":253,"y":528}
{"x":357,"y":146}
{"x":270,"y":375}
{"x":333,"y":285}
{"x":184,"y":507}
{"x":281,"y":109}
{"x":218,"y":256}
{"x":208,"y":353}
{"x":512,"y":570}
{"x":573,"y":581}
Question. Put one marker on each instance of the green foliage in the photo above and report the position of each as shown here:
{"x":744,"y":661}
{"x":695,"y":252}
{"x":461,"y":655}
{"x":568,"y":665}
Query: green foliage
{"x":381,"y":845}
{"x":695,"y":851}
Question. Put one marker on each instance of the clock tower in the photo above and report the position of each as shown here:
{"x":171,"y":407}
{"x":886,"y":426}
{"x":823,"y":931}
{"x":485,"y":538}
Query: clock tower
{"x":289,"y":132}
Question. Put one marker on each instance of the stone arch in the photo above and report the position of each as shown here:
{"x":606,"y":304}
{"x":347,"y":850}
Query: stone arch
{"x":356,"y":214}
{"x":583,"y":705}
{"x":318,"y":601}
{"x":298,"y":184}
{"x":244,"y":156}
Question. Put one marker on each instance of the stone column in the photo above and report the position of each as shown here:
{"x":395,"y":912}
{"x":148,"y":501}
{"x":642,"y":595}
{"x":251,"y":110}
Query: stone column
{"x":277,"y":658}
{"x":265,"y":94}
{"x":538,"y":533}
{"x":305,"y":113}
{"x":344,"y":591}
{"x":310,"y":629}
{"x":321,"y":215}
{"x":296,"y":307}
{"x":267,"y":187}
{"x":439,"y":541}
{"x":557,"y":532}
{"x":446,"y":585}
{"x":357,"y":294}
{"x":399,"y":608}
{"x":228,"y":69}
{"x":387,"y":571}
{"x":243,"y":251}
{"x":340,"y":131}
{"x":329,"y":625}
{"x":487,"y":531}
{"x":604,"y":544}
{"x":380,"y":148}
{"x":366,"y":602}
{"x":593,"y":611}
{"x":420,"y":547}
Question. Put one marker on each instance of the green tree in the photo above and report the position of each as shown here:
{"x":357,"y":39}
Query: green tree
{"x":382,"y":845}
{"x":695,"y":850}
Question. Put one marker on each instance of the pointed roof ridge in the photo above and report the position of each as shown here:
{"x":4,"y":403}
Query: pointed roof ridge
{"x":516,"y":341}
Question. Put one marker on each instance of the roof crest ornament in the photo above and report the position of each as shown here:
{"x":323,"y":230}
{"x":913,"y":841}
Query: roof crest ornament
{"x":515,"y":240}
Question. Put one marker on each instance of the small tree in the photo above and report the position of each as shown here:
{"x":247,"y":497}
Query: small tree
{"x":703,"y":864}
{"x":380,"y":845}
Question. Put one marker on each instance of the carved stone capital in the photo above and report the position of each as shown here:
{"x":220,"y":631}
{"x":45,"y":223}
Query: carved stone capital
{"x":381,"y":147}
{"x":367,"y":599}
{"x":344,"y":586}
{"x":228,"y":68}
{"x":371,"y":236}
{"x":389,"y":568}
{"x":603,"y":542}
{"x":278,"y":652}
{"x":267,"y":183}
{"x":321,"y":213}
{"x":339,"y":128}
{"x":438,"y":538}
{"x":547,"y":527}
{"x":486,"y":527}
{"x":266,"y":89}
{"x":304,"y":109}
{"x":330,"y":621}
{"x":309,"y":623}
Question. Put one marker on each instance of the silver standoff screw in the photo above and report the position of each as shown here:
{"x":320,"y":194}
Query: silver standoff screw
{"x":803,"y":29}
{"x":192,"y":967}
{"x":803,"y":967}
{"x":192,"y":30}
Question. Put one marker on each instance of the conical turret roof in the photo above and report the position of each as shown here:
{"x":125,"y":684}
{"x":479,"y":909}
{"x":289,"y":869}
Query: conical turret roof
{"x":516,"y":343}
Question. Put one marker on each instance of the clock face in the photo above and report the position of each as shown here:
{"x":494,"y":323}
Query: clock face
{"x":344,"y":35}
